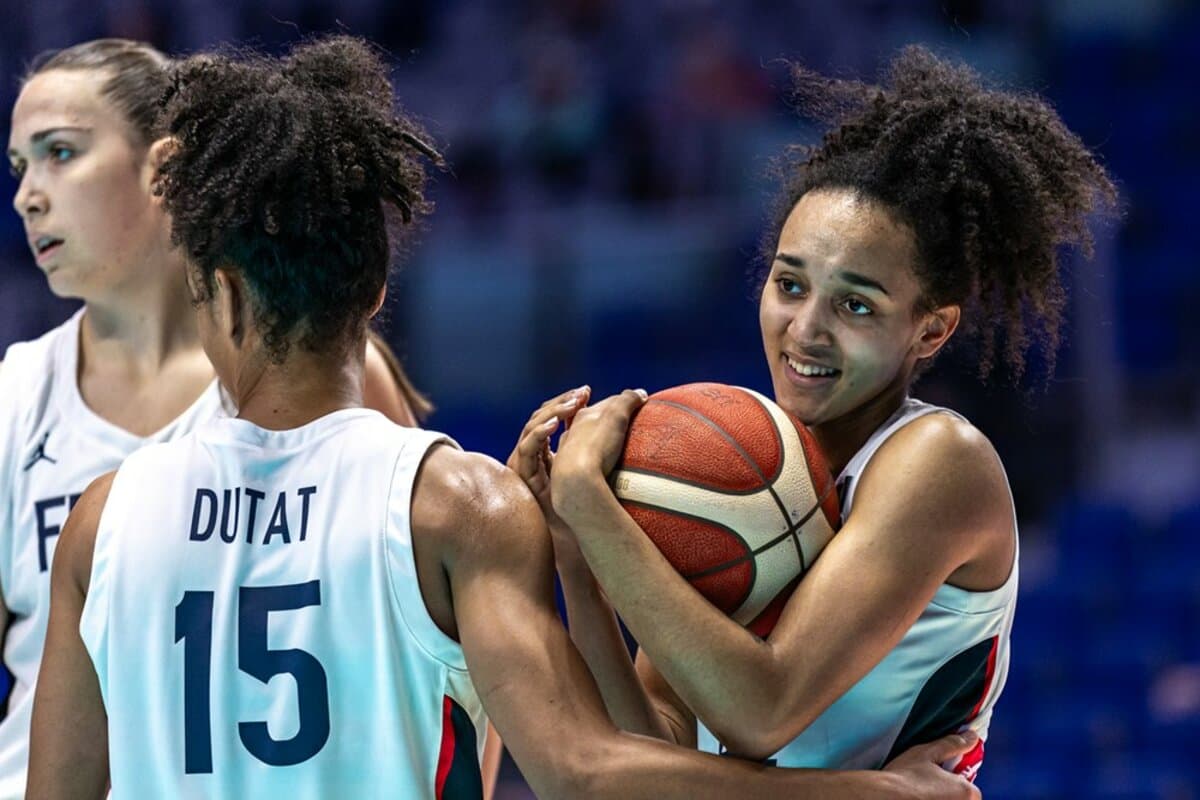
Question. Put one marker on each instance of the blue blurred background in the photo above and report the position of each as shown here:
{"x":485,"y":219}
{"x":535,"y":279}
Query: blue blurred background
{"x":600,"y":224}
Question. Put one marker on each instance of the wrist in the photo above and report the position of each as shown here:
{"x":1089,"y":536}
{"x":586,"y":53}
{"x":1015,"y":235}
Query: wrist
{"x":578,"y":495}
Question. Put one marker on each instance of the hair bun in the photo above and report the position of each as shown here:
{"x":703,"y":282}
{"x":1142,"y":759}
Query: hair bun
{"x":338,"y":64}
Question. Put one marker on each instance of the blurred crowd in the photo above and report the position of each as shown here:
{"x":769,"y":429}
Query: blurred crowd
{"x":600,"y":220}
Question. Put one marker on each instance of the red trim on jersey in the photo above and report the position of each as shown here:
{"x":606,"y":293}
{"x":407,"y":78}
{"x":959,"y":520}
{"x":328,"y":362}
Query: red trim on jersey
{"x":968,"y":766}
{"x":987,"y":682}
{"x":446,"y":754}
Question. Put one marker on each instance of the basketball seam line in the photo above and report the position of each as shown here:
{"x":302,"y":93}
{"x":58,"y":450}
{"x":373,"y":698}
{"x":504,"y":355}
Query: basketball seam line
{"x":724,"y":564}
{"x":792,"y":530}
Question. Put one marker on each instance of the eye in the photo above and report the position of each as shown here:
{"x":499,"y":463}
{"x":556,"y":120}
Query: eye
{"x":856,"y":307}
{"x":60,"y":152}
{"x":16,"y":169}
{"x":789,"y":287}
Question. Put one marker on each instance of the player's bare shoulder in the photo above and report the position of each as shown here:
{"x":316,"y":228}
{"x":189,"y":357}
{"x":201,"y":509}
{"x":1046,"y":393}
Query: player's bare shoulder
{"x":468,"y":502}
{"x":941,"y":474}
{"x":948,"y":456}
{"x":77,"y":542}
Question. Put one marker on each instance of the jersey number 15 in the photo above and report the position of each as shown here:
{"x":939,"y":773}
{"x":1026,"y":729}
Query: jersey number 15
{"x":194,"y":623}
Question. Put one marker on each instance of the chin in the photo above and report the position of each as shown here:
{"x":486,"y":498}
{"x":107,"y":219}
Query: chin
{"x":61,"y":285}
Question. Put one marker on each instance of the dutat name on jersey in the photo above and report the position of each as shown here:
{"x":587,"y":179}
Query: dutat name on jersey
{"x":250,"y":515}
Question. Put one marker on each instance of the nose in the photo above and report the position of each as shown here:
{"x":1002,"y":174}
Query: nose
{"x":30,"y":200}
{"x":809,"y":324}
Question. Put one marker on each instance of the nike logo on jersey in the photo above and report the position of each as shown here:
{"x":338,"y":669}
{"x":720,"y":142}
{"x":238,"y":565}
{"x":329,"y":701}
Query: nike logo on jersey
{"x":39,"y":454}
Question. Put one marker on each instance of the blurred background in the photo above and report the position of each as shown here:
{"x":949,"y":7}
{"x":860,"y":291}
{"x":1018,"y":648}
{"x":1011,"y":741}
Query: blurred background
{"x":600,"y":223}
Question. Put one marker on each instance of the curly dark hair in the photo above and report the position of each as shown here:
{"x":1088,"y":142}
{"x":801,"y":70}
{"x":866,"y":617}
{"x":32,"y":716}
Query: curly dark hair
{"x":991,"y":183}
{"x":291,"y":170}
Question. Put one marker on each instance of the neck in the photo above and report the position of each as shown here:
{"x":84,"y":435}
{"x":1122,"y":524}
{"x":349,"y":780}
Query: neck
{"x":841,"y":438}
{"x":305,"y":387}
{"x":143,"y":330}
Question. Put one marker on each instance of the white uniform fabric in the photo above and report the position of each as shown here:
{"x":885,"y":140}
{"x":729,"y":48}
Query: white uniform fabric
{"x":51,"y":447}
{"x":945,"y":675}
{"x":256,"y":623}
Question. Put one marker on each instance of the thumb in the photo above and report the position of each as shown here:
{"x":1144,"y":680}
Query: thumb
{"x":949,"y":747}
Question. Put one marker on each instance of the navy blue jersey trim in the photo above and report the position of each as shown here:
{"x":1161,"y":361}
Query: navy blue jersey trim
{"x":465,"y":780}
{"x":948,"y":700}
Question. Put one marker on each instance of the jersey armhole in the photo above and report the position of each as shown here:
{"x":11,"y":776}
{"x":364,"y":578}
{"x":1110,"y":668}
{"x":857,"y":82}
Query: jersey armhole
{"x":94,"y":617}
{"x":400,"y":559}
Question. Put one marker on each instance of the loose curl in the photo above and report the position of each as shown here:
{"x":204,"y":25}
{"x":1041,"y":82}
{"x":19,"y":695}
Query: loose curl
{"x":991,"y":183}
{"x":290,"y":171}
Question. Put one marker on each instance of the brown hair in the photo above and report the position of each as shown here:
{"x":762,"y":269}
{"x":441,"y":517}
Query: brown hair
{"x":420,"y":405}
{"x":138,"y":76}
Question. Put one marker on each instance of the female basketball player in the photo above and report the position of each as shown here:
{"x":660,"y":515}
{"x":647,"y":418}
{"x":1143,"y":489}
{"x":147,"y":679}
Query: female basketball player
{"x":933,"y":203}
{"x":309,"y":536}
{"x":128,"y":369}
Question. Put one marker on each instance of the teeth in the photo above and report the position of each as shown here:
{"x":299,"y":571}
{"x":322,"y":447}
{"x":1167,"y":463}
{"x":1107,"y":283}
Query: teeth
{"x":811,"y":370}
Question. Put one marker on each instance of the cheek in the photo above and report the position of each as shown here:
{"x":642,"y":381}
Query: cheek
{"x":112,"y":205}
{"x":772,"y":321}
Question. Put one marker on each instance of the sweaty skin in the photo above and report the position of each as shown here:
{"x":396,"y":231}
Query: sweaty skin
{"x":485,"y":567}
{"x":932,"y":507}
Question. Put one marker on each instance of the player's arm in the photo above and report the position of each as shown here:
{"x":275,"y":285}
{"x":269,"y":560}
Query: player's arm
{"x":932,"y":502}
{"x":5,"y":514}
{"x":386,"y":387}
{"x":68,"y":752}
{"x":592,"y":623}
{"x":496,"y":555}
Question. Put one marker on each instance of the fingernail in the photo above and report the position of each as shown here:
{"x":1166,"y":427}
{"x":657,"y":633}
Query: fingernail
{"x":642,"y":392}
{"x":970,"y":736}
{"x":550,"y":423}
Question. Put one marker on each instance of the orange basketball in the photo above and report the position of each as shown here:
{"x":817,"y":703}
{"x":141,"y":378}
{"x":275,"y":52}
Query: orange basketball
{"x":733,"y":490}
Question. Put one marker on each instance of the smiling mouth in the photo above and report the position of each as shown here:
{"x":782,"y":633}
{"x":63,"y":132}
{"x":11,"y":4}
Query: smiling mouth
{"x":810,"y":370}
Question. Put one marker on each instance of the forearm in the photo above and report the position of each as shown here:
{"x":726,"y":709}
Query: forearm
{"x":634,"y":767}
{"x":720,"y":670}
{"x":597,"y":635}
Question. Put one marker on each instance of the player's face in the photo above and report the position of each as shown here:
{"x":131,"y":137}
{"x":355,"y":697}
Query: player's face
{"x":84,"y":191}
{"x":837,"y":312}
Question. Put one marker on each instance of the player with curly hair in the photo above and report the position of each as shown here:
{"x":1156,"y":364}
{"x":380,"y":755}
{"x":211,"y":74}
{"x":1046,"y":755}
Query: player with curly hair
{"x":400,"y":585}
{"x":125,"y":370}
{"x":933,"y":204}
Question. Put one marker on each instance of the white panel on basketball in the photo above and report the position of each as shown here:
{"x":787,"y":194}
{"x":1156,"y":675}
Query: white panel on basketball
{"x":757,"y":517}
{"x":795,"y":485}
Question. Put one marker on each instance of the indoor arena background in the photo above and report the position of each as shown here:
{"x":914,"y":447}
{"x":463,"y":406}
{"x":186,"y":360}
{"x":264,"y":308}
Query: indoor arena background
{"x":600,"y":220}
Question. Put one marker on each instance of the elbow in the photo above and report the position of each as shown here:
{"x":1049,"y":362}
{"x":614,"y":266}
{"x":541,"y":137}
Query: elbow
{"x":757,"y":733}
{"x":751,"y":745}
{"x":575,"y":771}
{"x":612,"y":769}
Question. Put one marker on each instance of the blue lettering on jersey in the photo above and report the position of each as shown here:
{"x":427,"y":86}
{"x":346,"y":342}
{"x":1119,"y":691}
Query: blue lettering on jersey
{"x":47,"y":529}
{"x":254,"y":495}
{"x":210,"y":505}
{"x":203,"y":497}
{"x":305,"y":492}
{"x":279,"y":524}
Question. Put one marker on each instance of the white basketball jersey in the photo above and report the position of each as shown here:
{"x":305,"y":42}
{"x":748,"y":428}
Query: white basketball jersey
{"x":51,"y":447}
{"x":257,"y":627}
{"x":943,"y":676}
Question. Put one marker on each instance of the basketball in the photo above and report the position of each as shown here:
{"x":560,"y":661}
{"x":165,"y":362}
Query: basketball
{"x":733,"y":490}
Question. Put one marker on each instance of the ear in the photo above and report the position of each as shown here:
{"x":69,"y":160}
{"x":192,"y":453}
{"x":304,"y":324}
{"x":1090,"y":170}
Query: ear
{"x":378,"y":301}
{"x":160,"y":151}
{"x":937,"y":328}
{"x":228,"y":300}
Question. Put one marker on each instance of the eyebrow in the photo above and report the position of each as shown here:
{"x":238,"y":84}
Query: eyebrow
{"x":852,"y":278}
{"x":40,"y":136}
